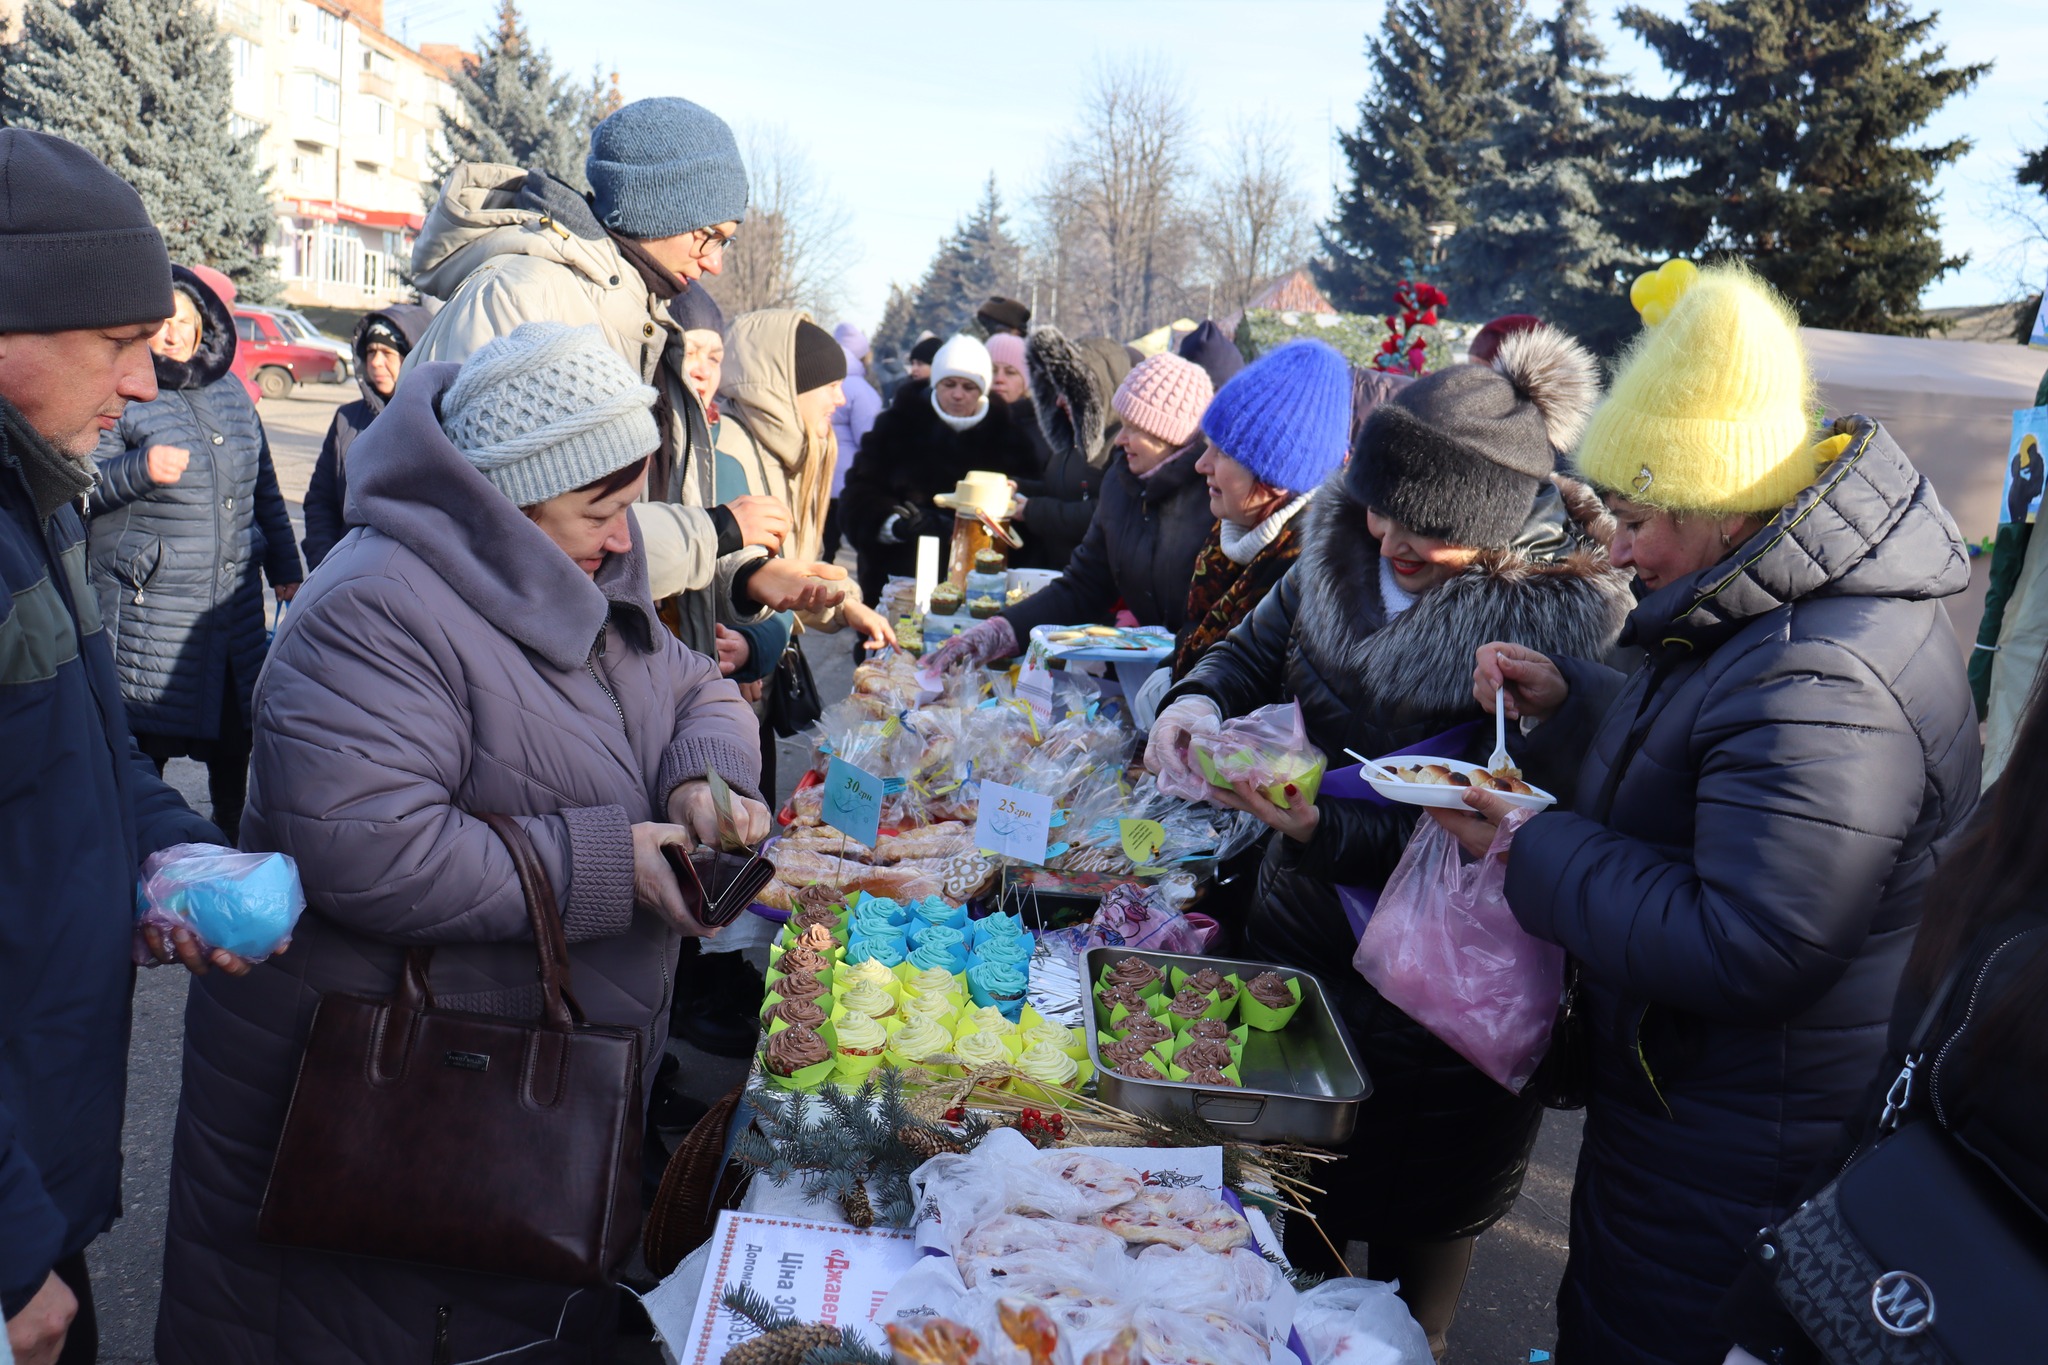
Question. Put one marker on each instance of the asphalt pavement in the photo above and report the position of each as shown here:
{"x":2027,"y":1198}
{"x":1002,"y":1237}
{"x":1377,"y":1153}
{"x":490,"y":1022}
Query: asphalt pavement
{"x":1507,"y":1308}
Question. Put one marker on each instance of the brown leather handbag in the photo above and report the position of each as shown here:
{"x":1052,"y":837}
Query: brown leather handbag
{"x":468,"y":1141}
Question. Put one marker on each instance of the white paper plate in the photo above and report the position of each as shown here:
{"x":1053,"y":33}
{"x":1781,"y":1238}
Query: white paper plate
{"x":1433,"y":794}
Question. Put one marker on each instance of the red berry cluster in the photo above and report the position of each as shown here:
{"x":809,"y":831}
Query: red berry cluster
{"x":1043,"y":1129}
{"x":1406,"y":350}
{"x":957,"y":1114}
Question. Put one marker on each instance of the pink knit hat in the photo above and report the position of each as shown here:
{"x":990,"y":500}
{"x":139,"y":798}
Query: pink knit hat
{"x":1165,"y":396}
{"x":1004,"y":349}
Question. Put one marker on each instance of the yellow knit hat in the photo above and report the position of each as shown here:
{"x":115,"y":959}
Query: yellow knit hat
{"x":1712,"y":410}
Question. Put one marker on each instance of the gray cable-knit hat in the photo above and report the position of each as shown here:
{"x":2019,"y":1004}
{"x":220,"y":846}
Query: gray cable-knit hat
{"x":663,"y":167}
{"x":548,"y":408}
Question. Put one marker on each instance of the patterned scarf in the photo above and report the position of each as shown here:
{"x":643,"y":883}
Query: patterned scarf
{"x":1223,"y":592}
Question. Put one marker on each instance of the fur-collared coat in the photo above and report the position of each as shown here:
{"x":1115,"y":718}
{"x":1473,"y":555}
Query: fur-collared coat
{"x":1072,"y":383}
{"x":1440,"y":1149}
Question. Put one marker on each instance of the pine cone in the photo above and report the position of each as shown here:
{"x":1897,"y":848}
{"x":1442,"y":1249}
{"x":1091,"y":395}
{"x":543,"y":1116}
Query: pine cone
{"x":785,"y":1347}
{"x":928,"y":1142}
{"x":860,"y":1211}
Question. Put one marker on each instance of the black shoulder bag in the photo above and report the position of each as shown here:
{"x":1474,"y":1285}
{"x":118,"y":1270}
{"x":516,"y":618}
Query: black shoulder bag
{"x":791,"y":700}
{"x":1918,"y":1253}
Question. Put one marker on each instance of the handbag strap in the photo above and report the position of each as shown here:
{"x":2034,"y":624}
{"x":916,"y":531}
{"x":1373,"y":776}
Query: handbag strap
{"x":559,"y":1009}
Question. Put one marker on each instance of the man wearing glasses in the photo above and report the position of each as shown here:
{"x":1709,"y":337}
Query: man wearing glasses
{"x":668,"y":190}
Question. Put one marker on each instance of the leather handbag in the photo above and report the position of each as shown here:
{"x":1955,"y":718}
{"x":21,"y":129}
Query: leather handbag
{"x":1918,"y":1253}
{"x":466,"y":1141}
{"x":792,"y":700}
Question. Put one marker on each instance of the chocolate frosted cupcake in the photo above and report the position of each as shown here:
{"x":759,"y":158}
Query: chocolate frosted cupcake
{"x":1189,"y":1004}
{"x":1209,"y":1075}
{"x":1148,"y":1031}
{"x":1134,"y":972}
{"x":1140,"y":1070}
{"x":794,"y":1012}
{"x":1215,"y":1030}
{"x":799,"y":986}
{"x":818,"y":938}
{"x":1270,"y":989}
{"x":1202,"y":982}
{"x":1125,"y":995}
{"x":1201,"y":1053}
{"x":1123,"y":1050}
{"x":803,"y":959}
{"x":795,"y":1048}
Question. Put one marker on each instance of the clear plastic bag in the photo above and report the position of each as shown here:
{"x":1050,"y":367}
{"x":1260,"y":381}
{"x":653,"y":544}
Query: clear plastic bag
{"x":1268,"y":746}
{"x":1443,"y":947}
{"x":1359,"y":1322}
{"x":243,"y":903}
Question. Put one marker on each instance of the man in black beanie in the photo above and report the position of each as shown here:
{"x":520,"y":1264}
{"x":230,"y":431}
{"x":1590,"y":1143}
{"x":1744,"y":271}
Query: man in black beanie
{"x":84,"y":284}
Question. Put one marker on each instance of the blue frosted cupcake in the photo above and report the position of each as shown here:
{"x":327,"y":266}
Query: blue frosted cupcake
{"x":1000,"y":984}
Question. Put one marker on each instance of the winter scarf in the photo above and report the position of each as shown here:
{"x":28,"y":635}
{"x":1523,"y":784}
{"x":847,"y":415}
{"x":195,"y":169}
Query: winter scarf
{"x":1225,"y":588}
{"x":1244,"y":543}
{"x":54,"y":478}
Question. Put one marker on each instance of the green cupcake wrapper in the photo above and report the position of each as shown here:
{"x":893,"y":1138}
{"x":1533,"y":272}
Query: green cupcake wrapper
{"x":1157,"y":984}
{"x":1030,"y":1089}
{"x":809,"y":1077}
{"x":1154,"y":1007}
{"x":1175,"y":1073}
{"x":1236,"y":1045}
{"x":1264,"y":1017}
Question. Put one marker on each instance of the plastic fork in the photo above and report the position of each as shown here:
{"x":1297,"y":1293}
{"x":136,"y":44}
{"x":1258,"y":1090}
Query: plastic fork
{"x":1499,"y":759}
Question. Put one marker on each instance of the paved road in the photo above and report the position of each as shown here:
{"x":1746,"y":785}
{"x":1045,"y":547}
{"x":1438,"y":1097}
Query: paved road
{"x":1507,"y":1307}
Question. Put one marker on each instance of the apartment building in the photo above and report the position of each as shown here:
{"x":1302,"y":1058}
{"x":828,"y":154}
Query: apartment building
{"x":349,"y":115}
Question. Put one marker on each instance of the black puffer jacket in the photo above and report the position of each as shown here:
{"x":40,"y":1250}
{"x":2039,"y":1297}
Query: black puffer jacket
{"x":1139,"y":549}
{"x":328,"y":491}
{"x":176,"y":567}
{"x":1758,"y":816}
{"x":1440,"y":1148}
{"x":1071,"y":385}
{"x":910,"y":457}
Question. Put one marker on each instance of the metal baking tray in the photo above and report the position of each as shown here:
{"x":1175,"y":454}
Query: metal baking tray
{"x":1304,"y":1083}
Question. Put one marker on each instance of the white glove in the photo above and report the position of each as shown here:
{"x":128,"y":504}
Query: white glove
{"x":1166,"y":751}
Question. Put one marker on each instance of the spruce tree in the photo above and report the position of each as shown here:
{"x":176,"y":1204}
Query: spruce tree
{"x":1787,"y":132}
{"x":1545,"y":181}
{"x":978,"y":259}
{"x":1435,"y":65}
{"x":146,"y":86}
{"x":517,"y":110}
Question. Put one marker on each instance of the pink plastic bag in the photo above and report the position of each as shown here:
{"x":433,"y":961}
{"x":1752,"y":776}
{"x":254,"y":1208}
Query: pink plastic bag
{"x":1444,"y":948}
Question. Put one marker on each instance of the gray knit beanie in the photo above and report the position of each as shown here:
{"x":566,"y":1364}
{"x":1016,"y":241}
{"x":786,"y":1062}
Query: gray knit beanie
{"x":548,"y":408}
{"x":663,"y":167}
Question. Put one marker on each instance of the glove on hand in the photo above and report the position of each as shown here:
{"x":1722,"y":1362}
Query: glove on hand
{"x":990,"y":639}
{"x":1166,"y":751}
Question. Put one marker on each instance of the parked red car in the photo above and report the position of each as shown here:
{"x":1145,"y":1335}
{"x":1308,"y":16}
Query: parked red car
{"x":272,"y":362}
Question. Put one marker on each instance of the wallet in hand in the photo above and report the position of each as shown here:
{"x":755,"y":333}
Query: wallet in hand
{"x":717,"y":884}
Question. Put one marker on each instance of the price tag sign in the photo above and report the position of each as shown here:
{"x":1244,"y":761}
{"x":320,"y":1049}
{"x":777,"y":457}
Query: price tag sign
{"x":1034,"y":684}
{"x":1142,"y":840}
{"x":1013,"y":822}
{"x":853,"y":801}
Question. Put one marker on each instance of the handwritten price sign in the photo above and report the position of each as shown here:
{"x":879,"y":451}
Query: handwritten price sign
{"x":1013,"y":822}
{"x":853,"y":801}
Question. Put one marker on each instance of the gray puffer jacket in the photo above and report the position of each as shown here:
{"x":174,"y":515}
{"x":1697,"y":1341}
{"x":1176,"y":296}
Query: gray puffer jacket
{"x":177,"y":566}
{"x":1758,"y":822}
{"x":446,"y":659}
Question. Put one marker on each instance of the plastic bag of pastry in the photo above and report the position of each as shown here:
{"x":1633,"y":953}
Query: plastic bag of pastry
{"x":1269,"y":747}
{"x":1241,"y":1283}
{"x":1167,"y":1337}
{"x":1359,"y":1322}
{"x":956,"y":1193}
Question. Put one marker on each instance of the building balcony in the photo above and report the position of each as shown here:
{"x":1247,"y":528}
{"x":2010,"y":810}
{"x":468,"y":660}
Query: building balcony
{"x":383,"y":87}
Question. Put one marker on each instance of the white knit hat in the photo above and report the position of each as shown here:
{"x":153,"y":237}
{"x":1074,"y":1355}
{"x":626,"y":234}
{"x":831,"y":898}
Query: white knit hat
{"x":964,"y":357}
{"x":547,"y":408}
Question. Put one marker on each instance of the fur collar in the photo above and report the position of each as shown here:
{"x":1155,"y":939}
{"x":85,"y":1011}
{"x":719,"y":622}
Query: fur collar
{"x":1552,"y":591}
{"x":1061,"y":369}
{"x":216,"y":353}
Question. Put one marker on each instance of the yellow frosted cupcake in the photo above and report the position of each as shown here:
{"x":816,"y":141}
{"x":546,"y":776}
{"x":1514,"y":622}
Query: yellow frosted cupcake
{"x":1046,"y":1062}
{"x":980,"y":1049}
{"x":860,"y":1035}
{"x":989,"y":1019}
{"x":865,"y":997}
{"x":920,"y":1038}
{"x":1044,"y":1031}
{"x":934,"y":981}
{"x":870,"y":971}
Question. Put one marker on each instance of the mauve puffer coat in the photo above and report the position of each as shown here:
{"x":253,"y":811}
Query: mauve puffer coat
{"x":1757,"y":824}
{"x":447,"y":658}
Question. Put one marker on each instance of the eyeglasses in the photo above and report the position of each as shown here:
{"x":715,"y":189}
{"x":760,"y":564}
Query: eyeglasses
{"x":713,"y":242}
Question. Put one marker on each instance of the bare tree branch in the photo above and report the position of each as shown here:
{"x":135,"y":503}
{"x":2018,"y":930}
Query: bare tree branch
{"x":795,"y":246}
{"x":1257,"y":225}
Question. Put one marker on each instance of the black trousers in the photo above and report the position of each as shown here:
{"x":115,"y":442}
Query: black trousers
{"x":82,"y":1345}
{"x":226,"y":759}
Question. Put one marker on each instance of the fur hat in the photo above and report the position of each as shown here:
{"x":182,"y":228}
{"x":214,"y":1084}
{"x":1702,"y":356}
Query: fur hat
{"x":1003,"y":315}
{"x":1460,"y":454}
{"x":1086,"y":374}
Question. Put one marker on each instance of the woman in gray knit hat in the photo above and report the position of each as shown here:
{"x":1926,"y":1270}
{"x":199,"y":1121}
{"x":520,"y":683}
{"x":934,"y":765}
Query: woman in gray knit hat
{"x":482,"y":641}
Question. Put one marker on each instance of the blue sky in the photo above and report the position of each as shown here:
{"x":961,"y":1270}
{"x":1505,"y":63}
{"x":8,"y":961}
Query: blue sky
{"x":905,"y":108}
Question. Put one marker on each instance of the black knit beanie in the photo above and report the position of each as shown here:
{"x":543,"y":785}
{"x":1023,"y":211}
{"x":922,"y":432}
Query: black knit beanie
{"x":696,"y":311}
{"x":77,"y":249}
{"x":922,"y":353}
{"x":381,"y":331}
{"x":1460,"y":455}
{"x":819,"y":359}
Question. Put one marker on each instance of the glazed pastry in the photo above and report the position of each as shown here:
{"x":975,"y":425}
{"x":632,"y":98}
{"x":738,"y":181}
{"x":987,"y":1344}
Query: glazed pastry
{"x":1270,"y":989}
{"x":1202,"y":1052}
{"x":947,"y":839}
{"x":870,"y":999}
{"x":1209,"y":1075}
{"x":920,"y":1038}
{"x":1044,"y":1062}
{"x":795,"y":1048}
{"x":1215,"y":1030}
{"x":805,"y":1012}
{"x":1189,"y":1004}
{"x":860,"y":1035}
{"x":980,"y":1049}
{"x":801,"y":959}
{"x":1133,"y":971}
{"x":799,"y":987}
{"x":1180,"y":1218}
{"x":1102,"y":1183}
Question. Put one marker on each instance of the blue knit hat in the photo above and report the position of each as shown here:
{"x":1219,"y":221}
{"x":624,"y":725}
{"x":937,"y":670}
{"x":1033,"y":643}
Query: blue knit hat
{"x":663,"y":167}
{"x":1286,"y":416}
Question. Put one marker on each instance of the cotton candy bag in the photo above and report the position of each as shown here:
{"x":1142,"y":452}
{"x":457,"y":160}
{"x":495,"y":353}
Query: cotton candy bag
{"x":243,"y":903}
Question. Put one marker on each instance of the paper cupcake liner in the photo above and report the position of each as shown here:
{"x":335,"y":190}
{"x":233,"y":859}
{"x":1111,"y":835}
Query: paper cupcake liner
{"x":1030,"y":1089}
{"x":1154,"y":1007}
{"x":1264,"y":1017}
{"x":809,"y":1077}
{"x":1175,"y":1073}
{"x":1219,"y":1008}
